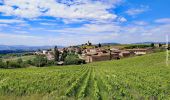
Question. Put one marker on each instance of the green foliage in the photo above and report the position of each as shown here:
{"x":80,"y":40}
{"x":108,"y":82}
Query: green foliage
{"x":2,"y":64}
{"x":50,"y":62}
{"x":39,"y":61}
{"x":73,"y":59}
{"x":142,"y":77}
{"x":64,"y":55}
{"x":160,"y":45}
{"x":20,"y":61}
{"x":12,"y":64}
{"x":137,"y":46}
{"x":152,"y":44}
{"x":30,"y":62}
{"x":56,"y":53}
{"x":99,"y":45}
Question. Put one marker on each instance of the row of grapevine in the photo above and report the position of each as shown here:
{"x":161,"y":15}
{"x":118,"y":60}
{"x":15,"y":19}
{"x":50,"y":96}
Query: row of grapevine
{"x":83,"y":89}
{"x":131,"y":78}
{"x":96,"y":93}
{"x":72,"y":91}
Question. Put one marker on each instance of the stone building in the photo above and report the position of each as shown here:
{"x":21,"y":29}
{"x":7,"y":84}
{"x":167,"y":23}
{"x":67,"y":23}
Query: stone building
{"x":101,"y":57}
{"x":139,"y":51}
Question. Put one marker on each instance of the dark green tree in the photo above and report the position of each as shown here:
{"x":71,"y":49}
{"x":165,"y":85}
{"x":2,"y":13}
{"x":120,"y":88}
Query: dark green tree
{"x":56,"y":54}
{"x":20,"y":61}
{"x":99,"y":45}
{"x":40,"y":61}
{"x":152,"y":44}
{"x":72,"y":59}
{"x":13,"y":64}
{"x":79,"y":51}
{"x":64,"y":54}
{"x":2,"y":64}
{"x":29,"y":62}
{"x":160,"y":45}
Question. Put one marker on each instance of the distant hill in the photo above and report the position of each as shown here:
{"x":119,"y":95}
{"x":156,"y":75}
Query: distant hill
{"x":25,"y":48}
{"x":109,"y":43}
{"x":150,"y":42}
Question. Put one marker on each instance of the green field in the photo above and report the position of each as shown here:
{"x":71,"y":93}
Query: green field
{"x":142,"y":77}
{"x":24,"y":58}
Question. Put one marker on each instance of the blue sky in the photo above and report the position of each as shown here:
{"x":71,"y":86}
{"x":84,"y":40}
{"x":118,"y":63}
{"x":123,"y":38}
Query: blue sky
{"x":70,"y":22}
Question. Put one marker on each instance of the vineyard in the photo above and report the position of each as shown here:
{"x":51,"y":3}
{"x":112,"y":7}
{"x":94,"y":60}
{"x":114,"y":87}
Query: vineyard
{"x":143,"y":77}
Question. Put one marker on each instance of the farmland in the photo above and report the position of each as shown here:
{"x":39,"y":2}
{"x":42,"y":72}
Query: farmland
{"x":24,"y":58}
{"x":142,"y":77}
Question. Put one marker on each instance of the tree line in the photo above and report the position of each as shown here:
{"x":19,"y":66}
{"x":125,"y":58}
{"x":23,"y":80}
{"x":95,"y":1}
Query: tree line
{"x":66,"y":57}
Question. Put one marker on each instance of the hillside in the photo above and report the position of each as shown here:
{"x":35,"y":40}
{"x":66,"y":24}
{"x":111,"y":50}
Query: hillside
{"x":142,"y":77}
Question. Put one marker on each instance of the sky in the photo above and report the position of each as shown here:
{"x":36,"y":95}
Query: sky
{"x":72,"y":22}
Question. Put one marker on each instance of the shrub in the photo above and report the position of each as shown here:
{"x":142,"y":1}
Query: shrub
{"x":137,"y":46}
{"x":20,"y":61}
{"x":12,"y":64}
{"x":40,"y":61}
{"x":73,"y":59}
{"x":51,"y":62}
{"x":30,"y":62}
{"x":2,"y":64}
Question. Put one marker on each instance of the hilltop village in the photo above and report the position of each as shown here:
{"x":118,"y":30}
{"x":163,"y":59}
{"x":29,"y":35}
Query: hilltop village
{"x":87,"y":53}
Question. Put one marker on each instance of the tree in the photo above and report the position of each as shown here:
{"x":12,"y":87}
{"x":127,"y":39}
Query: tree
{"x":40,"y":61}
{"x":13,"y":64}
{"x":2,"y":64}
{"x":99,"y":45}
{"x":152,"y":44}
{"x":160,"y":45}
{"x":64,"y":54}
{"x":89,"y":43}
{"x":73,"y":59}
{"x":20,"y":61}
{"x":56,"y":54}
{"x":29,"y":62}
{"x":110,"y":55}
{"x":79,"y":51}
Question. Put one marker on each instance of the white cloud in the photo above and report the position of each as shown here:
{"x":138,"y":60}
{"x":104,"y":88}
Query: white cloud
{"x":87,"y":9}
{"x":90,"y":29}
{"x":68,"y":21}
{"x":163,"y":20}
{"x":13,"y":39}
{"x":21,"y":32}
{"x":3,"y":25}
{"x":101,"y":26}
{"x":140,"y":23}
{"x":23,"y":24}
{"x":48,"y":24}
{"x":122,"y":19}
{"x":94,"y":32}
{"x":4,"y":35}
{"x":8,"y":21}
{"x":136,"y":11}
{"x":114,"y":33}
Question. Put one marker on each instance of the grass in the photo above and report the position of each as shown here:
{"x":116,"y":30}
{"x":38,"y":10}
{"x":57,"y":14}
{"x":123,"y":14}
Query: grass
{"x":142,"y":77}
{"x":24,"y":58}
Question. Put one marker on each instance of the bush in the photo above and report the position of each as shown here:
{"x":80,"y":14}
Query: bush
{"x":12,"y":64}
{"x":2,"y":64}
{"x":40,"y":61}
{"x":29,"y":62}
{"x":20,"y":61}
{"x":137,"y":46}
{"x":73,"y":59}
{"x":51,"y":62}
